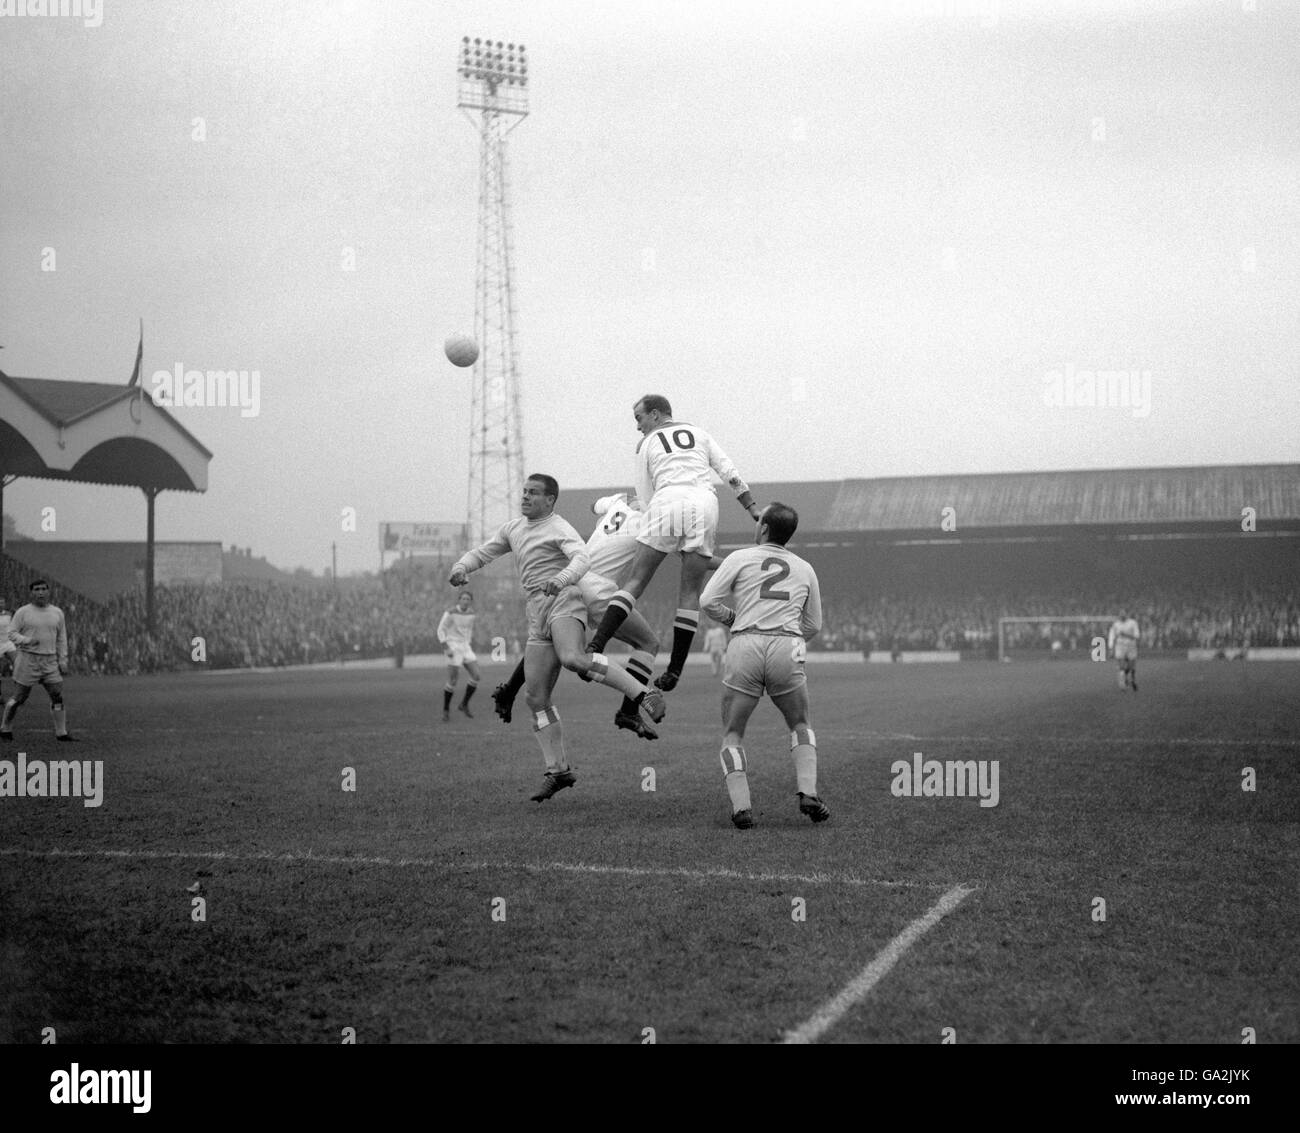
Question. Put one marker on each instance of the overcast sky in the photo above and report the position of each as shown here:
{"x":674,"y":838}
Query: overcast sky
{"x":876,"y":231}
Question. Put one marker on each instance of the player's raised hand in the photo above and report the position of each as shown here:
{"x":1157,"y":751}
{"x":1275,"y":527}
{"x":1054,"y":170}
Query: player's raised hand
{"x":459,"y":576}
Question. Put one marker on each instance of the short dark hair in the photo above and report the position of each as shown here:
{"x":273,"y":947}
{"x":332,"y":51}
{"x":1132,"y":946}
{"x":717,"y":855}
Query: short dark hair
{"x":465,"y":594}
{"x":37,"y":582}
{"x":653,"y":401}
{"x":548,"y":482}
{"x":782,"y":522}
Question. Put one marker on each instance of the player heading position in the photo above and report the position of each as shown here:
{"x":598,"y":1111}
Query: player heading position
{"x":41,"y":634}
{"x":550,"y":557}
{"x":778,"y":608}
{"x":456,"y":632}
{"x":1123,"y":641}
{"x":611,"y":548}
{"x":674,"y":461}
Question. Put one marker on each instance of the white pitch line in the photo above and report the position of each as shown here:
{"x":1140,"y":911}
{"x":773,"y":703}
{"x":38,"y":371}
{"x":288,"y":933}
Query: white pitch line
{"x":435,"y":863}
{"x":828,"y":733}
{"x":830,"y":1012}
{"x":1106,"y":741}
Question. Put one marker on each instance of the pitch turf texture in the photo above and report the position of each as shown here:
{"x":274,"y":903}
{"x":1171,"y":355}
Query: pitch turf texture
{"x":373,"y":909}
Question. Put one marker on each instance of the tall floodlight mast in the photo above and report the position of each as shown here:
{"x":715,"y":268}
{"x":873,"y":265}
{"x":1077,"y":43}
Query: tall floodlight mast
{"x":493,"y":93}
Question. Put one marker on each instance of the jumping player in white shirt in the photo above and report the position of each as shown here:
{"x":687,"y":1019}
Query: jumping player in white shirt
{"x":456,"y":632}
{"x":674,"y":462}
{"x":551,"y":557}
{"x":1123,"y":641}
{"x":778,"y":609}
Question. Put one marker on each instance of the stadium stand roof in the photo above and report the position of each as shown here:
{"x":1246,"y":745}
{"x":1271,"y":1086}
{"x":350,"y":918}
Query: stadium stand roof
{"x":1009,"y":500}
{"x":96,"y":433}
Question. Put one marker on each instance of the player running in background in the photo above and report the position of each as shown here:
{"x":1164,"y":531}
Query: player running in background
{"x":41,"y":634}
{"x":1123,"y":641}
{"x":778,"y":609}
{"x":611,"y":548}
{"x":674,"y":461}
{"x":550,"y":557}
{"x":456,"y":632}
{"x":715,"y":645}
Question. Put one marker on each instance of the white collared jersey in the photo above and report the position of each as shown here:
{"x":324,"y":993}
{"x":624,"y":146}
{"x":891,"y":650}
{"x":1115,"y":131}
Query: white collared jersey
{"x":1124,"y":633}
{"x":456,"y":628}
{"x":775,"y":592}
{"x":680,"y":455}
{"x":612,"y":546}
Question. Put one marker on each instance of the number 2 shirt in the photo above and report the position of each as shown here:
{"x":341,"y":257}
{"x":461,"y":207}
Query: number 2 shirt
{"x":775,"y":592}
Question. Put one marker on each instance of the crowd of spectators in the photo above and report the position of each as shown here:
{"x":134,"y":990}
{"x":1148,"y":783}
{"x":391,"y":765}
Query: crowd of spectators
{"x":1178,"y":617}
{"x":246,"y":624}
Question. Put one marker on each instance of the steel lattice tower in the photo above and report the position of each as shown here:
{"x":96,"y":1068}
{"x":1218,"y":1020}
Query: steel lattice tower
{"x":493,"y":93}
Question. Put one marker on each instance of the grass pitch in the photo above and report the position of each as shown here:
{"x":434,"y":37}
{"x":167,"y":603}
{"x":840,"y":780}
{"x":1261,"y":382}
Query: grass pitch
{"x":626,"y":909}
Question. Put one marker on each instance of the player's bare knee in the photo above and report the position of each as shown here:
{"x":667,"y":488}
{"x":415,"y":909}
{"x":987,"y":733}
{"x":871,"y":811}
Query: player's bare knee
{"x":574,"y":661}
{"x":536,"y":702}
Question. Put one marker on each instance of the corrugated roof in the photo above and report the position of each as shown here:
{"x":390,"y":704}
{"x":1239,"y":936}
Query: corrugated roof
{"x":1010,"y":499}
{"x":66,"y":401}
{"x":1040,"y":499}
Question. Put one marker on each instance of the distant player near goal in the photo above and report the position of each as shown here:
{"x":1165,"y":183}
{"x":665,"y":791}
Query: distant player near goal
{"x":778,"y":609}
{"x":611,"y":549}
{"x":550,"y":557}
{"x":456,"y":632}
{"x":1123,"y":640}
{"x":674,"y":462}
{"x":715,"y":645}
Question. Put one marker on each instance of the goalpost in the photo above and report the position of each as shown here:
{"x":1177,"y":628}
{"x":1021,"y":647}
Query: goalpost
{"x":1106,"y":620}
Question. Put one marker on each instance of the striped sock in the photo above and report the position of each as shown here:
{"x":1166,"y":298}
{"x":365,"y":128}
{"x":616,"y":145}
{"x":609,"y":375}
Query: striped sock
{"x":606,"y":672}
{"x":546,"y":727}
{"x":733,"y":767}
{"x":685,"y":623}
{"x":616,"y":613}
{"x":803,"y":746}
{"x":639,"y":667}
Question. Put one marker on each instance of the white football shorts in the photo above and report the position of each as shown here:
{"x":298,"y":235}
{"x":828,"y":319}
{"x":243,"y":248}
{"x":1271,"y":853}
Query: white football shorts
{"x":681,"y":519}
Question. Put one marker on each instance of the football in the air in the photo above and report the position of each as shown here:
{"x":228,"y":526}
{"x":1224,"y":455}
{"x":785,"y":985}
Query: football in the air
{"x":461,"y":350}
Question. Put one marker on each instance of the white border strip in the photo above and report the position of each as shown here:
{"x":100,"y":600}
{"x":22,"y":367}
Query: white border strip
{"x":829,"y":1013}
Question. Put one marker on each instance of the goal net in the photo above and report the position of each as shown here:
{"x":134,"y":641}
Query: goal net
{"x":1052,"y":636}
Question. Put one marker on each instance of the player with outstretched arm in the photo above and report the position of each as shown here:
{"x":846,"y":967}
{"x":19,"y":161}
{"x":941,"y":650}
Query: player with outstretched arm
{"x":551,"y":557}
{"x":778,"y":608}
